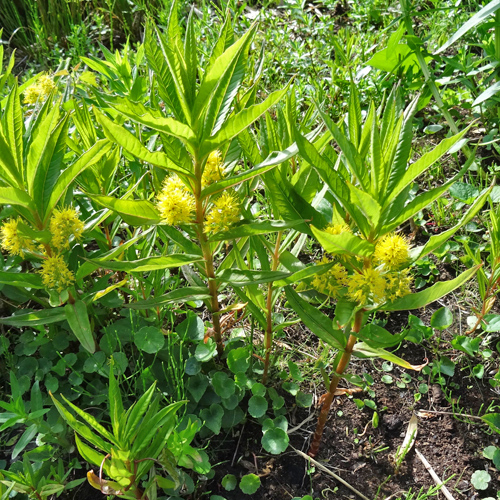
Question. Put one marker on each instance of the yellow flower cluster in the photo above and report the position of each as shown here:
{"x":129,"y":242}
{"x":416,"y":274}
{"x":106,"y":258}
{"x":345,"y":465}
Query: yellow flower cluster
{"x":175,"y":203}
{"x":331,"y":282}
{"x":64,"y":224}
{"x":212,"y":172}
{"x":39,"y":90}
{"x":392,"y":251}
{"x":338,"y":228}
{"x":55,"y":274}
{"x":14,"y":242}
{"x":379,"y":282}
{"x":224,"y":213}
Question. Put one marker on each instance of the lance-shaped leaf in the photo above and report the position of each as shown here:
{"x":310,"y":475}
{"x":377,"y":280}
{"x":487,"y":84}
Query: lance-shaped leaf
{"x":15,"y":196}
{"x":185,"y":294}
{"x":140,"y":114}
{"x":365,"y":202}
{"x":13,"y":127}
{"x":133,"y":212}
{"x":240,"y":121}
{"x":437,"y":240}
{"x":245,"y":278}
{"x":220,"y":67}
{"x":398,"y":183}
{"x":91,"y":456}
{"x":274,"y":159}
{"x":253,"y":228}
{"x":316,"y":321}
{"x":36,"y":318}
{"x":376,"y":336}
{"x":78,"y":320}
{"x":128,"y":141}
{"x":363,"y":350}
{"x":431,"y":294}
{"x":345,"y":243}
{"x":23,"y":280}
{"x":89,"y":158}
{"x":148,"y":263}
{"x":82,"y":429}
{"x":8,"y":170}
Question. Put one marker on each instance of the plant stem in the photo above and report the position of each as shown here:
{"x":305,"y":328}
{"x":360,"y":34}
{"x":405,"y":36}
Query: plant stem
{"x":208,"y":257}
{"x":334,"y":382}
{"x":268,"y":336}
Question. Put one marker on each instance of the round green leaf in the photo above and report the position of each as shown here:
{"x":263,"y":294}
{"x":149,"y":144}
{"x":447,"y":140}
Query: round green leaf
{"x":223,"y":385}
{"x":442,"y":319}
{"x":303,"y":399}
{"x":250,"y":483}
{"x":257,"y":406}
{"x":258,"y":389}
{"x":149,"y":339}
{"x":229,"y":482}
{"x":213,"y":417}
{"x":238,"y":360}
{"x":275,"y":441}
{"x":480,"y":480}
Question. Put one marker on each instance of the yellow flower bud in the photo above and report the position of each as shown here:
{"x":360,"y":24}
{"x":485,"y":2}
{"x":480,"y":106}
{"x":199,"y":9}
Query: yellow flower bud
{"x":12,"y":241}
{"x":175,"y":203}
{"x":63,"y":224}
{"x":224,"y":213}
{"x":55,"y":274}
{"x":392,"y":250}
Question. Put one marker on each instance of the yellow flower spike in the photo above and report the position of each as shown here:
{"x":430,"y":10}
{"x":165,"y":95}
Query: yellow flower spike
{"x":224,"y":213}
{"x":39,"y":90}
{"x":63,"y":224}
{"x":392,"y":250}
{"x":213,"y":171}
{"x":55,"y":274}
{"x":175,"y":203}
{"x":367,"y":285}
{"x":338,"y":228}
{"x":12,"y":241}
{"x":398,"y":285}
{"x":331,"y":282}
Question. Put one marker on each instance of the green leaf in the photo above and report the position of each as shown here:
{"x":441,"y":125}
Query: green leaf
{"x":363,"y":350}
{"x":22,"y":280}
{"x":136,"y":412}
{"x":345,"y":243}
{"x":235,"y":124}
{"x":115,"y":405}
{"x":493,"y":420}
{"x":89,"y":454}
{"x":435,"y":292}
{"x":253,"y":228}
{"x":275,"y":441}
{"x":376,"y":336}
{"x":186,"y":294}
{"x":316,"y":321}
{"x":275,"y":158}
{"x":257,"y":406}
{"x":476,"y":19}
{"x":121,"y":136}
{"x":148,"y":263}
{"x":480,"y":479}
{"x":15,"y":196}
{"x":36,"y":318}
{"x":437,"y":240}
{"x":249,"y":484}
{"x":442,"y":319}
{"x":149,"y":339}
{"x":82,"y":429}
{"x":239,"y":278}
{"x":24,"y":440}
{"x":89,"y":158}
{"x":78,"y":320}
{"x":229,"y":482}
{"x":213,"y":417}
{"x":133,"y":212}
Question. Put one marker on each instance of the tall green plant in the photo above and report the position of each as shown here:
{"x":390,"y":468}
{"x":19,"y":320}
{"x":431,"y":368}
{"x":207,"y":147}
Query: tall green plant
{"x":369,"y":268}
{"x":197,"y":112}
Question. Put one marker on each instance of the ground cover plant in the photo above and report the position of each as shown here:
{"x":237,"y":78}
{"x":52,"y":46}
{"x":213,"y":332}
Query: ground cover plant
{"x":250,"y":252}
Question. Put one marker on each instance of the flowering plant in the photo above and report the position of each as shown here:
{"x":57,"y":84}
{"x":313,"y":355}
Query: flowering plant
{"x":369,"y":267}
{"x":199,"y":200}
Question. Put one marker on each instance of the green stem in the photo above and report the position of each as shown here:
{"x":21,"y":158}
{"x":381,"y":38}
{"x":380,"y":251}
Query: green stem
{"x":334,"y":382}
{"x":208,"y":258}
{"x":268,"y":336}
